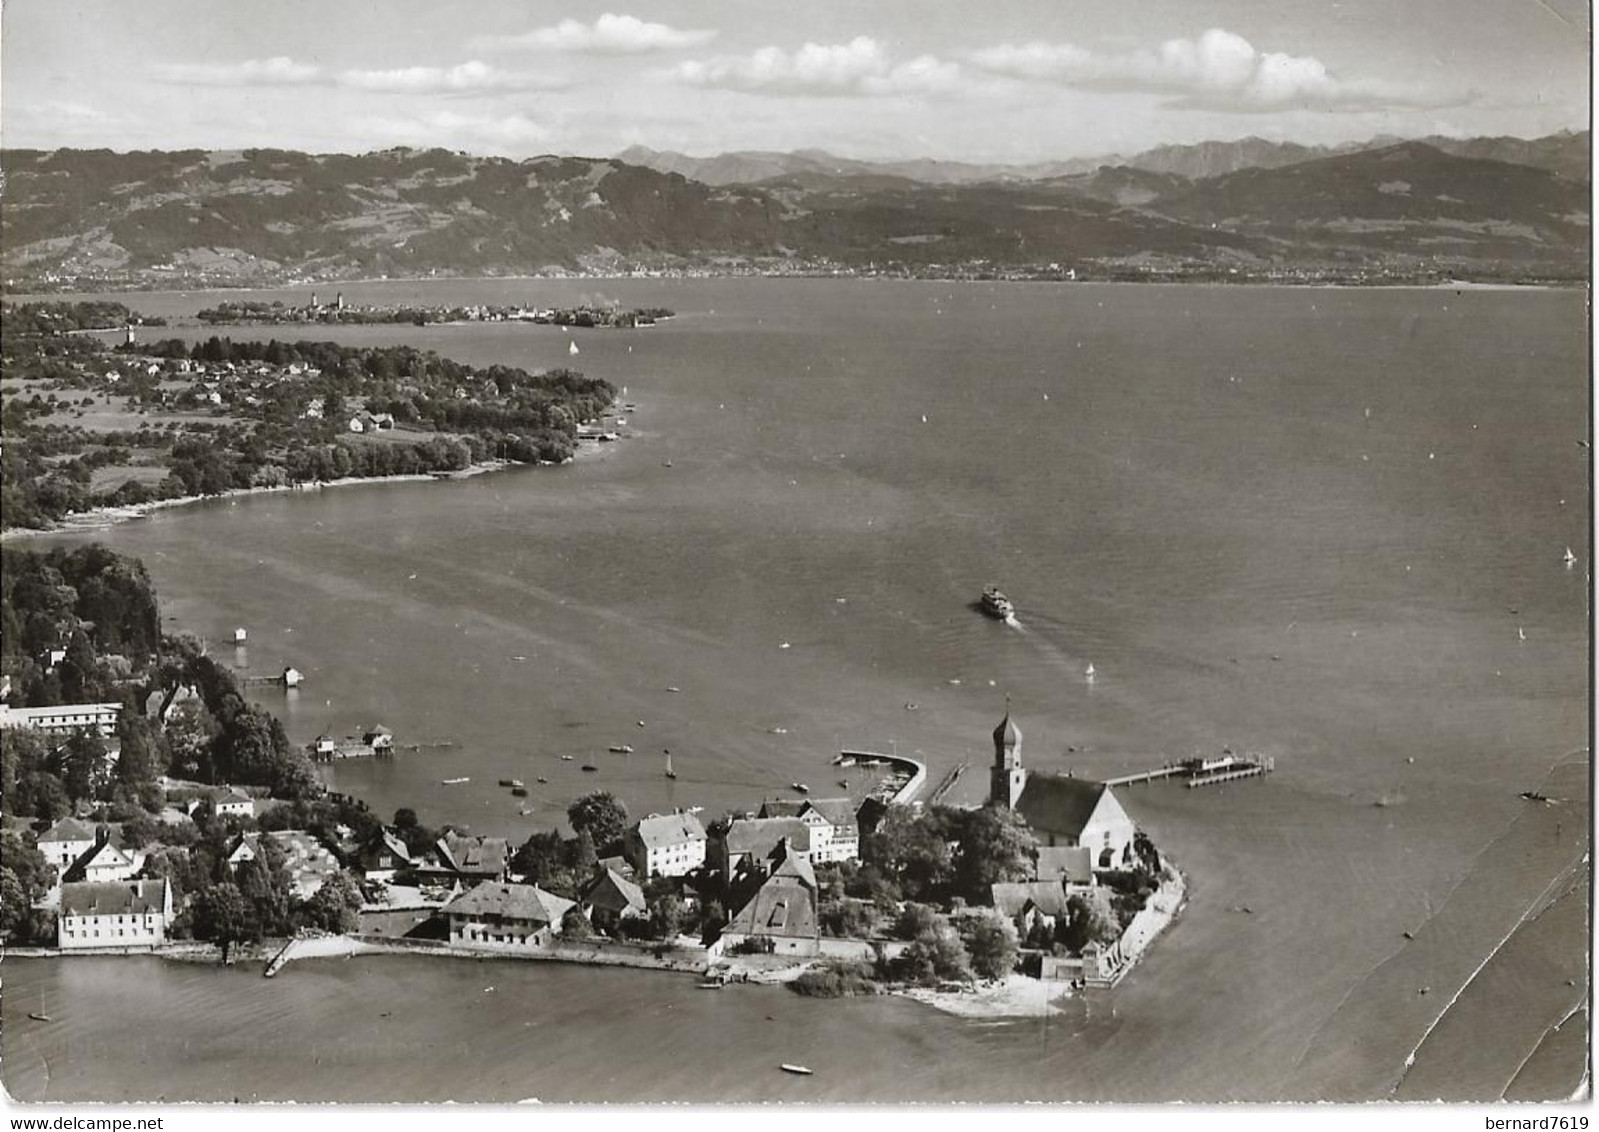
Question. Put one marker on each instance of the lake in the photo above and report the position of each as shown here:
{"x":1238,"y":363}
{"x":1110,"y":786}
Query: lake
{"x":1304,"y":522}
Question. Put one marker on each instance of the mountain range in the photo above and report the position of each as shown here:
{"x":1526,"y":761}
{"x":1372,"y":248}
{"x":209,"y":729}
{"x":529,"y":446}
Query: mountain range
{"x":188,"y":218}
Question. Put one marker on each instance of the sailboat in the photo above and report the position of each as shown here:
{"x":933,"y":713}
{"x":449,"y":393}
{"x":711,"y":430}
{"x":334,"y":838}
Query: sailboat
{"x":1570,"y":559}
{"x":1089,"y":673}
{"x":670,"y":773}
{"x":571,"y":348}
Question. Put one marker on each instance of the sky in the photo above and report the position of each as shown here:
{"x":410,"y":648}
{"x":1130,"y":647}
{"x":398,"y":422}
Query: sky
{"x":975,"y":80}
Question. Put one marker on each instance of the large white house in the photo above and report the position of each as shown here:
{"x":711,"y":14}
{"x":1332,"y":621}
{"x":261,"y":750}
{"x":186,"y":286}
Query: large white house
{"x":123,"y":914}
{"x":63,"y":718}
{"x":498,"y":916}
{"x":834,"y":830}
{"x":666,"y":845}
{"x":66,"y":841}
{"x":105,"y":862}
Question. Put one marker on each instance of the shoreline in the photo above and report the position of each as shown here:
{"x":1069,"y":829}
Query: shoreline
{"x":103,"y":518}
{"x":80,"y":290}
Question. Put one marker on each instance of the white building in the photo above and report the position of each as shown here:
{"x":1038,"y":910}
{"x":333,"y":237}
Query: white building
{"x":666,"y":845}
{"x":496,"y":916}
{"x":235,"y":802}
{"x":63,"y":718}
{"x":104,"y":863}
{"x":125,"y":914}
{"x":66,"y":841}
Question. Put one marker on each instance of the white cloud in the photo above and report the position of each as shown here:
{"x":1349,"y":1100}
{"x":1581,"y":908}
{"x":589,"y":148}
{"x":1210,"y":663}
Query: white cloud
{"x":473,"y":77}
{"x":859,"y":67}
{"x":1217,"y":71}
{"x":465,"y":78}
{"x":279,"y":70}
{"x":611,"y":34}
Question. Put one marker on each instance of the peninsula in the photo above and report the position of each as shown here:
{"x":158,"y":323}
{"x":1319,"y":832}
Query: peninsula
{"x":141,"y":787}
{"x":91,"y":425}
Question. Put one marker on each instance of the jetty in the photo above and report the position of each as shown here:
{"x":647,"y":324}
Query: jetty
{"x":1202,"y":771}
{"x":947,"y":783}
{"x":904,"y":779}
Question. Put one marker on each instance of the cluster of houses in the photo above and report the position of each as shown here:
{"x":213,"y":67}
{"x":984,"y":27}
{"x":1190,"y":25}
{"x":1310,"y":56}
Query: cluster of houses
{"x":760,"y":867}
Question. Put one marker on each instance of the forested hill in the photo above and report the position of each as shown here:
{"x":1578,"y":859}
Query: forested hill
{"x":85,"y":219}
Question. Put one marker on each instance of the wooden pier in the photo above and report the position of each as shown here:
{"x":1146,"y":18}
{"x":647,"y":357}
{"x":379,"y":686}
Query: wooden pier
{"x":1203,"y":772}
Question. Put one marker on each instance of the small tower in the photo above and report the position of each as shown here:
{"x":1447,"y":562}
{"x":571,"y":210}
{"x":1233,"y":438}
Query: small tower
{"x":1007,"y":777}
{"x":129,"y":337}
{"x":338,"y":300}
{"x":313,"y":300}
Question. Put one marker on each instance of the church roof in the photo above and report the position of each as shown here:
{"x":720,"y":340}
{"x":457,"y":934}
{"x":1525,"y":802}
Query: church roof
{"x":1056,"y":804}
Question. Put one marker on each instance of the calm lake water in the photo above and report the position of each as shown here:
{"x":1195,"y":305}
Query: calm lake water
{"x":1304,"y":522}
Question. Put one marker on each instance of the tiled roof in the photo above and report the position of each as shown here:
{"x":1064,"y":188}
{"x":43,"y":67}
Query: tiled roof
{"x":609,"y":889}
{"x":1057,"y":804}
{"x":783,"y":906}
{"x":782,"y":808}
{"x":122,"y":898}
{"x":68,"y":829}
{"x":759,"y":836}
{"x":839,"y":812}
{"x":511,"y":901}
{"x":669,"y":829}
{"x":1048,"y":896}
{"x":475,"y":854}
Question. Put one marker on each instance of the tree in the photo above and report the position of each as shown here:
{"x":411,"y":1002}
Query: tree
{"x":84,"y":765}
{"x":139,"y":763}
{"x":991,"y":942}
{"x":599,"y":814}
{"x":995,"y":846}
{"x":1090,"y":919}
{"x":845,"y":918}
{"x":914,"y":920}
{"x":336,"y":905}
{"x":666,"y":915}
{"x":221,"y":915}
{"x":575,"y":925}
{"x":934,"y":955}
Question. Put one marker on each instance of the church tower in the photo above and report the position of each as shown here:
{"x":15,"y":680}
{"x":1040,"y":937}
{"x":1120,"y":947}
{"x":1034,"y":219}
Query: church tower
{"x":1007,"y":776}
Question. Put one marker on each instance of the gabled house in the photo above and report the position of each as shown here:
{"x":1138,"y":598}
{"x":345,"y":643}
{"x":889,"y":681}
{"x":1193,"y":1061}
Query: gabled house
{"x":612,"y":895}
{"x":234,"y":802}
{"x":132,"y":914}
{"x":505,"y":917}
{"x":1029,"y":903}
{"x":776,"y":902}
{"x":66,"y":841}
{"x":834,"y":830}
{"x":104,"y":862}
{"x":1071,"y":865}
{"x":665,"y":845}
{"x":741,"y":840}
{"x":468,"y":859}
{"x":383,"y":856}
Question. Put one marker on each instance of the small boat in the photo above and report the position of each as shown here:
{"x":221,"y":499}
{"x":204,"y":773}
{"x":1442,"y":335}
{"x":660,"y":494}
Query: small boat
{"x":455,"y":781}
{"x":240,"y":636}
{"x":1570,"y":559}
{"x":513,"y":783}
{"x":620,"y":749}
{"x":800,"y":786}
{"x":40,"y":1017}
{"x":507,"y":782}
{"x":1534,"y":796}
{"x":542,"y":781}
{"x":572,"y":348}
{"x":844,"y":782}
{"x":800,"y":1070}
{"x":519,"y":791}
{"x":1089,"y":671}
{"x":1521,"y":634}
{"x":670,"y":773}
{"x":566,"y":758}
{"x":673,"y":688}
{"x":996,"y":604}
{"x":778,"y":731}
{"x":591,"y":769}
{"x":711,"y":984}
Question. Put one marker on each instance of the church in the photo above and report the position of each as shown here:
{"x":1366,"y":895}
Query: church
{"x":1060,"y":809}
